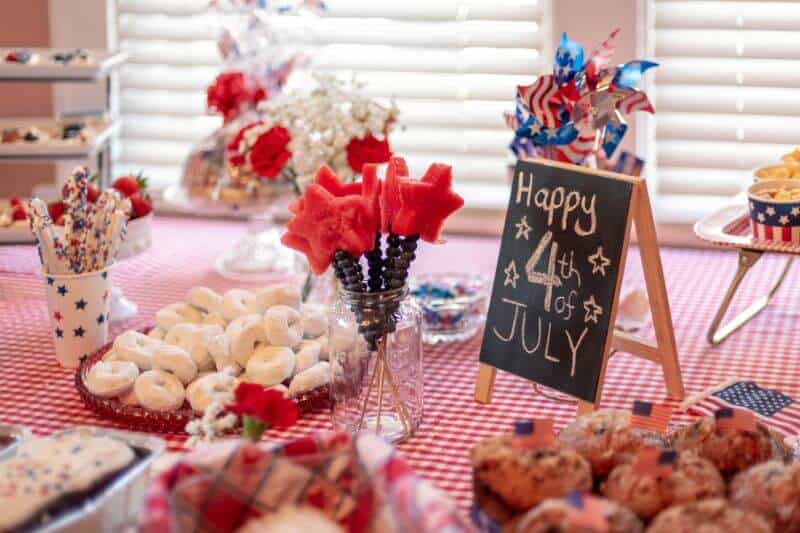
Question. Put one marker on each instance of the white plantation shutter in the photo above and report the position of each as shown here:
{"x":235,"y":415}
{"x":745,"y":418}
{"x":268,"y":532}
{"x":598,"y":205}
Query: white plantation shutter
{"x":727,"y":98}
{"x":451,"y":65}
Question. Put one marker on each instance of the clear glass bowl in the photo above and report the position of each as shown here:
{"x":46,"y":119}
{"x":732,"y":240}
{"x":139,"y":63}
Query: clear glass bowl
{"x":453,"y":305}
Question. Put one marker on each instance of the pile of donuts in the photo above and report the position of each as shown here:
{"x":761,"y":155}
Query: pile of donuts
{"x":203,"y":347}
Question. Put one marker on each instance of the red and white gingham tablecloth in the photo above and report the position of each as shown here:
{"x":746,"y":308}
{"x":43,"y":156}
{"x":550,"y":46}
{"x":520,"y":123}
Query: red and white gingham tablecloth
{"x":36,"y":392}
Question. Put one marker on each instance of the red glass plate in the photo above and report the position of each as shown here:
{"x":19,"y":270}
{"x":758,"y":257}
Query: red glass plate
{"x":137,"y":417}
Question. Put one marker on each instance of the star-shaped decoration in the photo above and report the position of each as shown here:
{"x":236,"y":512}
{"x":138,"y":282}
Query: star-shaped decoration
{"x":796,"y":211}
{"x":523,"y":229}
{"x":511,"y":275}
{"x":80,"y":304}
{"x":104,"y":275}
{"x":752,"y":206}
{"x":57,"y":316}
{"x":593,"y":311}
{"x":599,"y":262}
{"x":50,"y":280}
{"x":770,"y":211}
{"x":426,"y":203}
{"x":79,"y":331}
{"x":368,"y":187}
{"x":761,"y":217}
{"x":101,"y":318}
{"x":783,"y":219}
{"x":323,"y":224}
{"x":62,"y":290}
{"x":59,"y":333}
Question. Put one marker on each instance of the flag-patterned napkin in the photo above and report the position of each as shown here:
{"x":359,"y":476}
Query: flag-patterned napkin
{"x":362,"y":483}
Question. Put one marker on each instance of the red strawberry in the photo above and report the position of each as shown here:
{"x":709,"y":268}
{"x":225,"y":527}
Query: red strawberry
{"x":19,"y":212}
{"x":127,"y":185}
{"x":92,"y":193}
{"x":55,"y":210}
{"x":141,"y":205}
{"x":16,"y":201}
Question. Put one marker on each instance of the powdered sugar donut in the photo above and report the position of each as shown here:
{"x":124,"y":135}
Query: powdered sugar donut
{"x":282,"y":294}
{"x":201,"y":392}
{"x":177,"y":313}
{"x":306,"y":357}
{"x":175,"y":360}
{"x":204,"y":299}
{"x":159,"y":391}
{"x":238,"y":302}
{"x":111,"y":378}
{"x":283,"y":326}
{"x":215,"y":318}
{"x":245,"y":334}
{"x":137,"y":348}
{"x":156,"y":333}
{"x":194,"y":338}
{"x":316,"y":376}
{"x":270,"y":365}
{"x":111,"y":355}
{"x":219,"y":347}
{"x":129,"y":398}
{"x":315,"y":320}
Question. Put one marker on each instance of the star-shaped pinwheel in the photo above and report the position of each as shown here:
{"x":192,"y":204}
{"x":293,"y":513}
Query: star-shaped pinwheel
{"x":323,"y":224}
{"x":599,"y":262}
{"x":511,"y":275}
{"x":593,"y":311}
{"x":62,"y":290}
{"x":425,"y":204}
{"x":523,"y":229}
{"x":80,"y":304}
{"x":79,"y":331}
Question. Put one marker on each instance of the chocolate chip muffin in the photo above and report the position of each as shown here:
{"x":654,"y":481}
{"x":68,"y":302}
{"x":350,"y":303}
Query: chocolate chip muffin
{"x":509,"y":480}
{"x":647,"y":493}
{"x":557,"y":516}
{"x":732,"y":450}
{"x":708,"y":516}
{"x":773,"y":490}
{"x":605,"y":438}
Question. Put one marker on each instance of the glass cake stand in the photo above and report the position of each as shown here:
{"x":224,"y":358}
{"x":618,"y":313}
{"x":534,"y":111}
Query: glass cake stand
{"x":137,"y":239}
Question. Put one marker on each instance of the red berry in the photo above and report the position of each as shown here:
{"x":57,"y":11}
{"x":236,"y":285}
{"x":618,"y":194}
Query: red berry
{"x":55,"y":210}
{"x":16,"y":201}
{"x":19,"y":213}
{"x":92,"y":193}
{"x":60,"y":221}
{"x":127,"y":185}
{"x":141,"y":206}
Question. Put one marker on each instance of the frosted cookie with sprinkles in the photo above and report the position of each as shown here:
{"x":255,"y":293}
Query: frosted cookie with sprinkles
{"x":46,"y":471}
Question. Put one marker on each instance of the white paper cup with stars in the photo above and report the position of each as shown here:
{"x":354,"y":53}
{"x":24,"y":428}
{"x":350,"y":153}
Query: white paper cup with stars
{"x":78,"y":306}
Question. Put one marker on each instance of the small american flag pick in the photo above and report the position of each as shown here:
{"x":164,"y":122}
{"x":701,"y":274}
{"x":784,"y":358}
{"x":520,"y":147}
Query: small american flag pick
{"x":656,"y":462}
{"x":772,"y":407}
{"x":532,"y":434}
{"x":587,"y":512}
{"x":650,"y":416}
{"x":730,"y":419}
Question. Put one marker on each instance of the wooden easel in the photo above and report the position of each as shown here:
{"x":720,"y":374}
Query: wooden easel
{"x":664,"y":350}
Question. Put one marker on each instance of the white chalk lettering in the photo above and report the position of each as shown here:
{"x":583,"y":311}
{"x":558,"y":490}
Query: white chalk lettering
{"x":573,"y":347}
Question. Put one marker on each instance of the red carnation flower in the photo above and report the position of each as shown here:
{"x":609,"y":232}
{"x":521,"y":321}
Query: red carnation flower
{"x":367,"y":150}
{"x":261,"y":408}
{"x":235,"y":157}
{"x":231,"y":92}
{"x":269,"y":153}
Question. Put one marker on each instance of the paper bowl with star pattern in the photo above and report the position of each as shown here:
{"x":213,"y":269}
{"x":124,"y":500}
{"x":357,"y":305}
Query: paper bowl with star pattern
{"x":78,"y":308}
{"x":774,"y":208}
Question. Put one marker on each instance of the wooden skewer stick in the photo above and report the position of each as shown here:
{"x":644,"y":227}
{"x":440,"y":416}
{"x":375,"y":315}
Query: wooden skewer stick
{"x":369,"y":393}
{"x":380,"y":369}
{"x":398,"y":400}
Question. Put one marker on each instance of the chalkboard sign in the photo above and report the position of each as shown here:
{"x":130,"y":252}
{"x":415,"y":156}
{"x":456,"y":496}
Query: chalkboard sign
{"x":557,"y":277}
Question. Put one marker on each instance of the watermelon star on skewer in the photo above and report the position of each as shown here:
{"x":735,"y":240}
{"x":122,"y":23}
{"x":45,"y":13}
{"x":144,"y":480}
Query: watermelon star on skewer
{"x":425,"y":204}
{"x":396,"y":171}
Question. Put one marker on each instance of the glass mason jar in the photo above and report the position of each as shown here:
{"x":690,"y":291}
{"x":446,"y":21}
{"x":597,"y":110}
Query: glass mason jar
{"x":376,"y":388}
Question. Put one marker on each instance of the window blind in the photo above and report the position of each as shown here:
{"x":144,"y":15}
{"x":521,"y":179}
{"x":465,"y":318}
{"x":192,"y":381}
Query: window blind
{"x":452,"y":67}
{"x":727,"y":98}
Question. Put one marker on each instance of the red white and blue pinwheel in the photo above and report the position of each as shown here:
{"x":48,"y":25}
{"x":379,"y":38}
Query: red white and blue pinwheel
{"x":579,"y":109}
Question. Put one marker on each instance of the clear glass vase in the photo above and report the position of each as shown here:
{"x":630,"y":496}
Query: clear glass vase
{"x":376,"y":388}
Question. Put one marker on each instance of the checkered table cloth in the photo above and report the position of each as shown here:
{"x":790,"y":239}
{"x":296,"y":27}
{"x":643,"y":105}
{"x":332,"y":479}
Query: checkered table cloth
{"x":36,"y":392}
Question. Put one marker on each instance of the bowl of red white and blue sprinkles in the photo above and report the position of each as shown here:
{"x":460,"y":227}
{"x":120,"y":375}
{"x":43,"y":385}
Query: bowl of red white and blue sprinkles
{"x":453,"y":305}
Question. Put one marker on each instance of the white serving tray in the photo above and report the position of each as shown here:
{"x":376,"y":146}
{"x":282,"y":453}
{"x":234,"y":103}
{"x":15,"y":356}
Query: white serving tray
{"x":44,"y":69}
{"x":101,"y":129}
{"x":729,"y":227}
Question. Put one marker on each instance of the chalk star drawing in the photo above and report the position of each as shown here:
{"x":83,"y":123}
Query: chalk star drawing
{"x":523,"y":229}
{"x":784,"y":219}
{"x":511,"y":275}
{"x":592,"y":310}
{"x":599,"y":262}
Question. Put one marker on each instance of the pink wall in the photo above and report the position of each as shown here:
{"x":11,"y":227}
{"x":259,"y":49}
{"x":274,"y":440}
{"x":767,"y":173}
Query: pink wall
{"x":24,"y":24}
